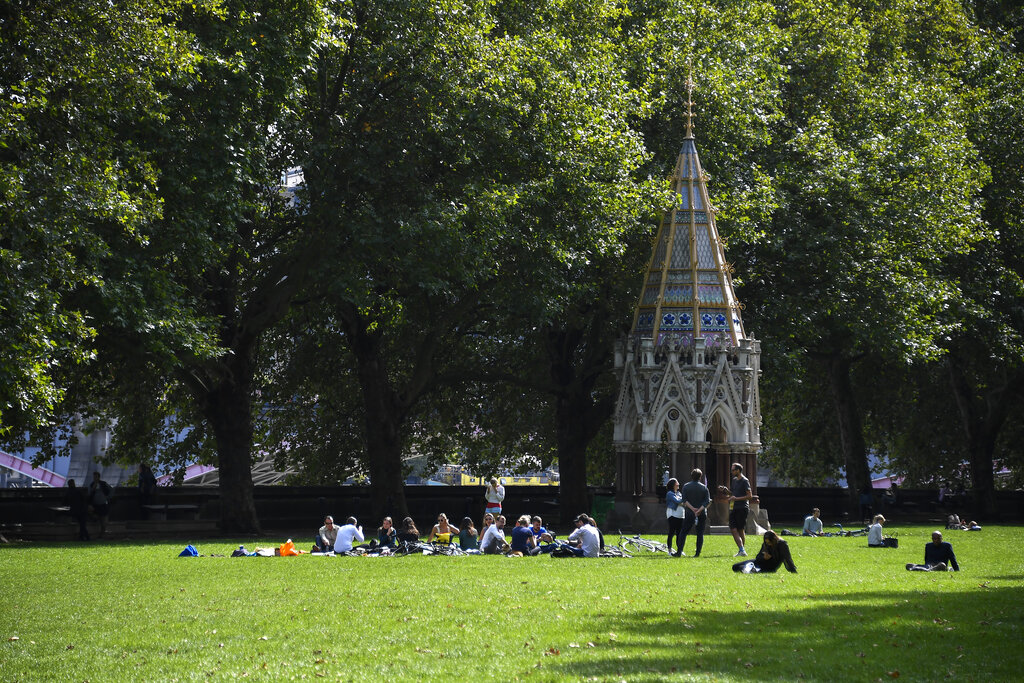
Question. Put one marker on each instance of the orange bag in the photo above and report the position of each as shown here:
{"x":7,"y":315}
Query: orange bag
{"x":288,"y":548}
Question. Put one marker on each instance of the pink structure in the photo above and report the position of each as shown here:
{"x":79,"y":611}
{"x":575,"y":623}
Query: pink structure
{"x":45,"y":476}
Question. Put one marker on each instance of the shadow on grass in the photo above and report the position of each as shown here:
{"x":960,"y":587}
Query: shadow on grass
{"x":915,"y":633}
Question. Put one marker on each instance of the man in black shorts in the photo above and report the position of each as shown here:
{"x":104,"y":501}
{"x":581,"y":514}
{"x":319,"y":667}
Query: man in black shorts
{"x":740,"y":502}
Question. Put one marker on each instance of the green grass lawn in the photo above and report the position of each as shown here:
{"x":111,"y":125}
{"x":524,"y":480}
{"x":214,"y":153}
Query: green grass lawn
{"x":135,"y":611}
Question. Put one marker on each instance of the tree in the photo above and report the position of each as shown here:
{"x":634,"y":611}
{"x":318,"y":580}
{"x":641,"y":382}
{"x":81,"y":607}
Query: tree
{"x":178,"y":341}
{"x":78,"y":77}
{"x":876,"y":187}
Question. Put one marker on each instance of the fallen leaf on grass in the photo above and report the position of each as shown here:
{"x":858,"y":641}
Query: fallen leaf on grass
{"x":12,"y":639}
{"x":894,"y":674}
{"x":263,"y":637}
{"x":589,"y":644}
{"x":574,"y":644}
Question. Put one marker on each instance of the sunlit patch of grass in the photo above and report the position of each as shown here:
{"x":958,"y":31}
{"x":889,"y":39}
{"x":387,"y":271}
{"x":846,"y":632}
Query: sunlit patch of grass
{"x":136,"y":611}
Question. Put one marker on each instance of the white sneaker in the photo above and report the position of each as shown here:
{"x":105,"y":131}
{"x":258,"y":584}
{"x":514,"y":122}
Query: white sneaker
{"x":742,"y":553}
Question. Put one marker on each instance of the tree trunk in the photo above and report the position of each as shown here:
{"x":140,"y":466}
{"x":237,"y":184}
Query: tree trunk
{"x":572,"y":461}
{"x":228,"y":408}
{"x":851,"y":430}
{"x":384,"y":416}
{"x":981,"y":427}
{"x":578,"y":417}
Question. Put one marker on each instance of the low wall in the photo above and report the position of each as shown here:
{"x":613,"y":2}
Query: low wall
{"x":296,"y":510}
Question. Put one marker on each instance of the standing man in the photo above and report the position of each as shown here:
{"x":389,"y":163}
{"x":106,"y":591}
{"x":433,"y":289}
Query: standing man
{"x":346,"y":534}
{"x":326,"y":537}
{"x":812,"y":523}
{"x":696,"y":499}
{"x":147,"y":487}
{"x":494,"y":494}
{"x":740,"y":502}
{"x":99,"y":498}
{"x":75,"y":499}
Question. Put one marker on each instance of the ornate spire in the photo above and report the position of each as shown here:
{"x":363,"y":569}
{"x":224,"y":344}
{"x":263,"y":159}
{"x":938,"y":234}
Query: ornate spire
{"x":688,"y":292}
{"x":689,"y":100}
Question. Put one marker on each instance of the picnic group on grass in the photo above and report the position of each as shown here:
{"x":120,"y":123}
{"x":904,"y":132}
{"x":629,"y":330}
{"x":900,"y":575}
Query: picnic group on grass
{"x":686,"y":512}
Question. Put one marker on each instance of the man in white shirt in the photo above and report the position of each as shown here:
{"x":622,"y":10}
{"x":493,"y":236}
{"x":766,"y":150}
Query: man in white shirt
{"x":812,"y":523}
{"x":346,"y":534}
{"x":585,"y":537}
{"x":493,"y":542}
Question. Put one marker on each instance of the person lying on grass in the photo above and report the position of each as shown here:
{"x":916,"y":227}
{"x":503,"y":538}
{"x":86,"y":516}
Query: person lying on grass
{"x":938,"y":556}
{"x":774,"y":553}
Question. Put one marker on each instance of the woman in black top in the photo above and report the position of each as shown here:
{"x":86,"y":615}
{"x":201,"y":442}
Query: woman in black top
{"x":774,"y":553}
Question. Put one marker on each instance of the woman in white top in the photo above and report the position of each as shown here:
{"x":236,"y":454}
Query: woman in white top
{"x":494,"y":494}
{"x":875,"y":532}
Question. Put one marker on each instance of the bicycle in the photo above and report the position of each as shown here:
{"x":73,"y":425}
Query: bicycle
{"x":635,"y":544}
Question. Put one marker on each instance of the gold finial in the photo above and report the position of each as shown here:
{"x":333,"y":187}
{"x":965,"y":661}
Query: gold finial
{"x":689,"y":98}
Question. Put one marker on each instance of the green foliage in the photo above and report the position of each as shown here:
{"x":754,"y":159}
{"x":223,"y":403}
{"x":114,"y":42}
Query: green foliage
{"x":851,"y":612}
{"x":79,"y":79}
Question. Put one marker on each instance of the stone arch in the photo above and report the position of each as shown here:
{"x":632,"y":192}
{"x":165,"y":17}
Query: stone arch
{"x":729,"y":429}
{"x":673,"y":418}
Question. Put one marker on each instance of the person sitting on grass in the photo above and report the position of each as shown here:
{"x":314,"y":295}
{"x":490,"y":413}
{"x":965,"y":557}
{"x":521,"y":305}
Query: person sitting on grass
{"x":325,"y":538}
{"x":387,"y":537}
{"x":523,"y":541}
{"x":493,"y":540}
{"x":585,"y":541}
{"x":538,"y":528}
{"x":347,"y":534}
{"x":812,"y":524}
{"x":938,"y":556}
{"x":545,"y":544}
{"x":443,"y":532}
{"x":774,"y":553}
{"x":409,"y":532}
{"x":468,"y":536}
{"x":875,"y":532}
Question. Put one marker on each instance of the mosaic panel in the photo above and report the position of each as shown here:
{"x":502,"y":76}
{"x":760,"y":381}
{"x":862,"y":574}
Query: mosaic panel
{"x":650,"y":296}
{"x":705,"y":277}
{"x":678,"y":294}
{"x":681,"y":250}
{"x":704,"y":258}
{"x":713,"y":320}
{"x":654,"y":277}
{"x":684,"y":197}
{"x":679,"y":276}
{"x":645,"y":321}
{"x":676,"y":319}
{"x":700,"y":216}
{"x":659,"y":252}
{"x":698,"y":201}
{"x":711,"y":294}
{"x":683,"y":339}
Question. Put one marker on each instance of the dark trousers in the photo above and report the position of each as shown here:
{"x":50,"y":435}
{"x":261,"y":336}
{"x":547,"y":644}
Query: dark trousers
{"x":675,"y":524}
{"x":83,"y":530}
{"x":688,"y":524}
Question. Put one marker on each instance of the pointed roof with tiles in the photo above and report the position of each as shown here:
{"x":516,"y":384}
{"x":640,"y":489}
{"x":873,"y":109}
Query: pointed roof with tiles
{"x":688,"y":292}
